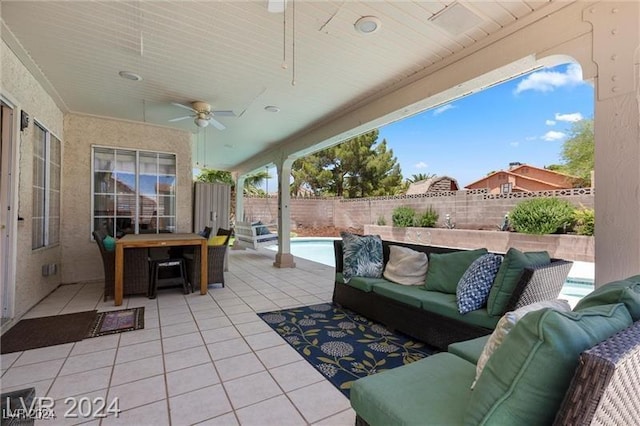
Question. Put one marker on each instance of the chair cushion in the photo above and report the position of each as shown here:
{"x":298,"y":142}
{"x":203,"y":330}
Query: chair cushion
{"x":109,"y":243}
{"x":446,"y":269}
{"x":362,"y":256}
{"x":526,"y":378}
{"x":473,"y":287}
{"x":217,"y":240}
{"x":626,"y":291}
{"x":406,"y":266}
{"x":508,"y":276}
{"x":416,"y":394}
{"x":469,"y":350}
{"x":506,"y":324}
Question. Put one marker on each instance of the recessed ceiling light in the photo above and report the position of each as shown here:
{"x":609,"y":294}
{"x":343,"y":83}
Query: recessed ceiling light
{"x":130,"y":75}
{"x":367,"y":25}
{"x":272,"y":108}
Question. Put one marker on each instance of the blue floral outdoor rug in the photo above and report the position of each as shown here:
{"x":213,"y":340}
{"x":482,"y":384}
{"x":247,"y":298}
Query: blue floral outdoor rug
{"x":343,"y":345}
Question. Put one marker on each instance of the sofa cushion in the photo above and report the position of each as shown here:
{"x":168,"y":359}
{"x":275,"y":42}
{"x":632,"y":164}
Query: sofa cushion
{"x":508,"y":276}
{"x":473,"y":287}
{"x":506,"y":324}
{"x":626,"y":291}
{"x":526,"y":378}
{"x":415,"y":394}
{"x":469,"y":350}
{"x":366,"y":284}
{"x":446,"y":269}
{"x":405,"y":294}
{"x":362,"y":256}
{"x":445,"y":304}
{"x":406,"y":266}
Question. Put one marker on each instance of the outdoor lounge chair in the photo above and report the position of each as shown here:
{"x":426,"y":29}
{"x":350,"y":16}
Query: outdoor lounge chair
{"x":136,"y":268}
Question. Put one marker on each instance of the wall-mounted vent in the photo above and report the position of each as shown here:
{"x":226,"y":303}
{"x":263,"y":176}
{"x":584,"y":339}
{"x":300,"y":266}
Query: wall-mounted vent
{"x":456,"y":19}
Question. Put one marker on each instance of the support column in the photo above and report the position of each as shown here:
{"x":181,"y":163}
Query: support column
{"x":616,"y":39}
{"x":284,"y":258}
{"x":239,"y":213}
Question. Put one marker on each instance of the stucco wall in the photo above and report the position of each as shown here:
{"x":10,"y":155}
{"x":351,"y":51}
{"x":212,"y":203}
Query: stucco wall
{"x":81,"y":258}
{"x":21,"y":88}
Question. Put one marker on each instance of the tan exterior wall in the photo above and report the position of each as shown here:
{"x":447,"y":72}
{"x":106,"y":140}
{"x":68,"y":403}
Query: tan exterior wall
{"x":568,"y":247}
{"x":467,"y":209}
{"x":544,"y":175}
{"x":81,"y":258}
{"x":21,"y":88}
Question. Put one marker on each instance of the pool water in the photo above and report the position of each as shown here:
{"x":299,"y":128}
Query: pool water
{"x":321,"y":250}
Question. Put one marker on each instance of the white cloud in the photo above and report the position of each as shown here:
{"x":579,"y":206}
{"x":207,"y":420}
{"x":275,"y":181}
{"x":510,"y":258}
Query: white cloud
{"x":547,"y":81}
{"x":570,"y":118}
{"x":443,"y":108}
{"x":553,"y":136}
{"x":530,"y":138}
{"x":550,"y":122}
{"x":515,"y":144}
{"x":421,"y":165}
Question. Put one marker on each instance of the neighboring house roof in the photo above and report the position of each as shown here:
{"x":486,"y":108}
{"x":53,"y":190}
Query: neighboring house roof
{"x":516,"y":173}
{"x":438,"y":183}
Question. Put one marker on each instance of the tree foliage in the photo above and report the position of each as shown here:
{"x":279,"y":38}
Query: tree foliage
{"x":359,"y":167}
{"x":578,"y":153}
{"x":252,"y":182}
{"x":420,"y":176}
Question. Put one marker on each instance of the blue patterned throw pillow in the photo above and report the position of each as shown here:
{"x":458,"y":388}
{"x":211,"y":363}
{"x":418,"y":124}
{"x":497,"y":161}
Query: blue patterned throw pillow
{"x":474,"y":286}
{"x":362,"y":256}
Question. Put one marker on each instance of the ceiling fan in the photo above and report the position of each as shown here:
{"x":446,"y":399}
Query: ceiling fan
{"x":203,"y":115}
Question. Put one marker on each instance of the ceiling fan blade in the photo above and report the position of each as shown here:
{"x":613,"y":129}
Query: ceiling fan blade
{"x":180,"y":118}
{"x":183,"y":106}
{"x":215,"y":123}
{"x":223,"y":113}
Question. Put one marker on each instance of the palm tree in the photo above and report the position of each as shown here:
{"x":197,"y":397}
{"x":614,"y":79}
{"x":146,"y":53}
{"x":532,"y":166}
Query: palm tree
{"x":252,"y":182}
{"x":420,"y":176}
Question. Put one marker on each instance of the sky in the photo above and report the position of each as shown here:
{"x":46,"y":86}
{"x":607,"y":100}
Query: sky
{"x":526,"y":119}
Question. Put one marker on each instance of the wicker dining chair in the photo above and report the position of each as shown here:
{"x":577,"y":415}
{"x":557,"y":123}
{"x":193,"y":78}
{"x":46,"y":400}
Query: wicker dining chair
{"x":136,"y":269}
{"x":215,"y":262}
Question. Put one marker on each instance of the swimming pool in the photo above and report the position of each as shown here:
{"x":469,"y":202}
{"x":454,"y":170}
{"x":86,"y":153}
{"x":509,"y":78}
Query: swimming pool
{"x":318,"y":249}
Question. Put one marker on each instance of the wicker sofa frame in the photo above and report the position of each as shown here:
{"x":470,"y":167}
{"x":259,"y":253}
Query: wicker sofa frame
{"x":539,"y":283}
{"x":605,"y":388}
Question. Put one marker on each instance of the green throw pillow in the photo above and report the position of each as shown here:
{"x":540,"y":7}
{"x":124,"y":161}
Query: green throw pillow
{"x":526,"y":378}
{"x":626,"y":291}
{"x":446,"y":269}
{"x":109,"y":243}
{"x":508,"y":276}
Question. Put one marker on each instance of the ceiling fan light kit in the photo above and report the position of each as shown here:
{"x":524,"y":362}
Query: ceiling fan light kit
{"x":203,"y":115}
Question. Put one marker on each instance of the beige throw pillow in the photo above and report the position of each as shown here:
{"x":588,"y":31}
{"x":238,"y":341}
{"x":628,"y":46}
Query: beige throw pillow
{"x":506,"y":324}
{"x":406,"y":266}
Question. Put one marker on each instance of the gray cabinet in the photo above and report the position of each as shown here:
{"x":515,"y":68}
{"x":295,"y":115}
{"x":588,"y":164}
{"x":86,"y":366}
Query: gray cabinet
{"x":212,"y":206}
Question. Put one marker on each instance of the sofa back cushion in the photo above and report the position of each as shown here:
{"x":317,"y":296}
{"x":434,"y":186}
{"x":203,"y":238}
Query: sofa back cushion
{"x":445,"y":270}
{"x":406,"y":266}
{"x":526,"y":378}
{"x":626,"y":291}
{"x":508,"y":276}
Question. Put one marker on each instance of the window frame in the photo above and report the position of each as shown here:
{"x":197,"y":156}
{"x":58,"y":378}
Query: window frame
{"x":49,"y":220}
{"x":137,"y":212}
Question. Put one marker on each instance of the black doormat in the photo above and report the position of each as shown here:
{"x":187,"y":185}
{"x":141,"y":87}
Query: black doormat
{"x":117,"y":322}
{"x":47,"y":331}
{"x":343,"y":345}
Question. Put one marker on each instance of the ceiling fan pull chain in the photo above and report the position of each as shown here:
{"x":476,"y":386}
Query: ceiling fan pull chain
{"x":293,"y":44}
{"x":284,"y":40}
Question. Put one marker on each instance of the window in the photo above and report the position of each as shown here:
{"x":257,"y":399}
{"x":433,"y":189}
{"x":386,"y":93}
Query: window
{"x":505,"y":188}
{"x":133,"y":191}
{"x":46,"y":189}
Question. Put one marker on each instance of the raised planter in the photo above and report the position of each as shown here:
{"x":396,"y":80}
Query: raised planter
{"x":569,"y":247}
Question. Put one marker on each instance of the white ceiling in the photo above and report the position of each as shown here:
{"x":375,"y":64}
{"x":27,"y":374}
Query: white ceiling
{"x":237,"y":56}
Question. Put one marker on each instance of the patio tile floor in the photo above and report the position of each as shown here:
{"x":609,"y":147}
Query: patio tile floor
{"x":206,"y":360}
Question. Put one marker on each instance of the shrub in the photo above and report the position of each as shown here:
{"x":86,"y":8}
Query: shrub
{"x":542,"y":216}
{"x":428,"y":219}
{"x":381,"y":221}
{"x":403,"y":216}
{"x":584,"y":221}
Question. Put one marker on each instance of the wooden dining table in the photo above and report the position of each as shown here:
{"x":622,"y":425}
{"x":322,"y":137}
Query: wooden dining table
{"x":157,"y":240}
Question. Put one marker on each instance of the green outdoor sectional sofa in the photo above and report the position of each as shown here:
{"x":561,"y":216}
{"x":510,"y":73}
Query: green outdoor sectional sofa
{"x":579,"y":367}
{"x":430,"y":313}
